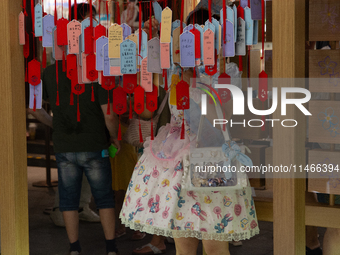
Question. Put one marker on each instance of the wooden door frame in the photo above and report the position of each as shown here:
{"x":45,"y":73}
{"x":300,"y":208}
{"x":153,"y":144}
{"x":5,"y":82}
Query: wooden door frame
{"x":13,"y":152}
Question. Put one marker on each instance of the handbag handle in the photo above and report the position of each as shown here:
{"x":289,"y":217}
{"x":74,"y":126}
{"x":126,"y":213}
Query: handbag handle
{"x":220,"y":116}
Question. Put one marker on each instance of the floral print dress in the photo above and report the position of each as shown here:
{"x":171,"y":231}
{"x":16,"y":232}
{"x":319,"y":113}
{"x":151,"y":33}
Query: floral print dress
{"x":157,"y":203}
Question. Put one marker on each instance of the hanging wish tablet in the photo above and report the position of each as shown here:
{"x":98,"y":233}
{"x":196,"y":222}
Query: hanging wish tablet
{"x":197,"y":41}
{"x":217,"y":34}
{"x":182,"y":95}
{"x":154,"y":61}
{"x":129,"y":83}
{"x":21,"y":23}
{"x":256,"y":9}
{"x":34,"y":76}
{"x":99,"y":31}
{"x":126,"y":30}
{"x":85,"y":24}
{"x":38,"y":16}
{"x":240,"y":47}
{"x":62,"y":31}
{"x":165,"y":55}
{"x":146,"y":77}
{"x":119,"y":101}
{"x":152,"y":99}
{"x":229,"y":46}
{"x":176,"y":24}
{"x":224,"y":94}
{"x":144,"y":43}
{"x":230,"y":14}
{"x":48,"y":25}
{"x":106,"y":60}
{"x":91,"y":72}
{"x":249,"y":26}
{"x":99,"y":52}
{"x":57,"y":51}
{"x":187,"y":49}
{"x":175,"y":45}
{"x":73,"y":33}
{"x":108,"y":83}
{"x":139,"y":100}
{"x":209,"y":48}
{"x":128,"y":63}
{"x":244,"y":3}
{"x":157,"y":9}
{"x":71,"y":64}
{"x":115,"y":67}
{"x":166,"y":25}
{"x":235,"y":22}
{"x":35,"y":96}
{"x":115,"y":39}
{"x":211,"y":70}
{"x":88,"y":38}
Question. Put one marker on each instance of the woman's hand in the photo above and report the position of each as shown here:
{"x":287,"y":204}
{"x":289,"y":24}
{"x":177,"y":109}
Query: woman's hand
{"x":155,"y":26}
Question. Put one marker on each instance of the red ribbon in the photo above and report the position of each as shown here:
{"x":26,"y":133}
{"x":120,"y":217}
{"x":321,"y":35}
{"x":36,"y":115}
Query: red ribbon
{"x":55,"y":12}
{"x":165,"y":75}
{"x":182,"y":13}
{"x":152,"y":137}
{"x":107,"y":15}
{"x":118,"y":13}
{"x":99,"y":10}
{"x":210,"y":10}
{"x":150,"y":21}
{"x":224,"y":22}
{"x":263,"y":23}
{"x":75,"y":10}
{"x":92,"y":94}
{"x":130,"y":110}
{"x":69,"y":10}
{"x":32,"y":13}
{"x":44,"y":58}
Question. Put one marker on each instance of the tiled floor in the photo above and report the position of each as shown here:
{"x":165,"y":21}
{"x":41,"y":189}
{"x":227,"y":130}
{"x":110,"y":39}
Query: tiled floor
{"x":47,"y":239}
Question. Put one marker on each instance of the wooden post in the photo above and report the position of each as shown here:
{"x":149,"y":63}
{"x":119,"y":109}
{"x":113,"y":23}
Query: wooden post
{"x":13,"y":154}
{"x":289,"y":143}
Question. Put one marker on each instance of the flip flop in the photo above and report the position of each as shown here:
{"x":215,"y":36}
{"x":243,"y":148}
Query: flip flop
{"x":120,"y":233}
{"x":154,"y":250}
{"x":137,"y":236}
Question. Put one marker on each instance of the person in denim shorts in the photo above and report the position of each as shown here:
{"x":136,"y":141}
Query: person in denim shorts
{"x":81,"y":147}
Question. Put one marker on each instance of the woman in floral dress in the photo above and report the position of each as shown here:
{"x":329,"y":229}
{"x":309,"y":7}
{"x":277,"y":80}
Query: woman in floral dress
{"x":157,"y":203}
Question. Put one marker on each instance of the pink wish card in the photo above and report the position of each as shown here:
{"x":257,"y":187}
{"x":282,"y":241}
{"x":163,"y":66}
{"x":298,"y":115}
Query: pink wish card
{"x":36,"y":91}
{"x":146,"y":77}
{"x":165,"y":55}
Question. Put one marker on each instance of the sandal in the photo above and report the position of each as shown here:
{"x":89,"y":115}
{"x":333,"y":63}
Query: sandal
{"x":119,"y":233}
{"x":137,"y":236}
{"x":154,"y":250}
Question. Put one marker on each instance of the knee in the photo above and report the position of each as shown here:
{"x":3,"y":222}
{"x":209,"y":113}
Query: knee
{"x":216,"y":248}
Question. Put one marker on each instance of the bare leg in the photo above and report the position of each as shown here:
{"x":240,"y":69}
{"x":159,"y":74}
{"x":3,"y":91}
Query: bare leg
{"x":213,"y":247}
{"x":186,"y":246}
{"x":107,"y":218}
{"x":331,"y":242}
{"x":71,"y":220}
{"x":119,"y":197}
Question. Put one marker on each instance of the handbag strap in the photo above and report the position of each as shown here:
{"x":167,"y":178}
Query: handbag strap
{"x":161,"y":107}
{"x":219,"y":113}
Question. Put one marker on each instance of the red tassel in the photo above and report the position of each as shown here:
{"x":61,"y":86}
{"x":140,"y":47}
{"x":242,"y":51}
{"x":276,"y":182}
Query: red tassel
{"x":71,"y":99}
{"x":108,"y":112}
{"x":152,"y":130}
{"x":78,"y":112}
{"x":130,"y":110}
{"x":194,"y":78}
{"x":35,"y":103}
{"x":119,"y":131}
{"x":240,"y":64}
{"x":57,"y":101}
{"x":165,"y":75}
{"x":92,"y":94}
{"x":64,"y":61}
{"x":44,"y":58}
{"x":183,"y":127}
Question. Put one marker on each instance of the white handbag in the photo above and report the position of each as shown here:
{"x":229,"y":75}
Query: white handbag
{"x":216,"y":168}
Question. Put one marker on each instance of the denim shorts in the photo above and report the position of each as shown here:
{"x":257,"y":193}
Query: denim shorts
{"x":97,"y":169}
